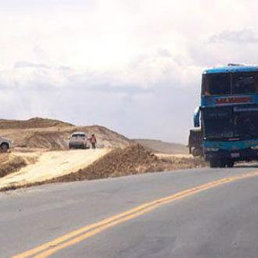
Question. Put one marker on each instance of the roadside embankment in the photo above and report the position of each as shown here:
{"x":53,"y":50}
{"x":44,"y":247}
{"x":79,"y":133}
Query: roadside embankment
{"x":77,"y":165}
{"x":10,"y":163}
{"x":51,"y":164}
{"x":133,"y":159}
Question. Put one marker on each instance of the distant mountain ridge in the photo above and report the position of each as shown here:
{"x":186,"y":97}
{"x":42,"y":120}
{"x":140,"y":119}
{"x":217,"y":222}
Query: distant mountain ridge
{"x":158,"y":146}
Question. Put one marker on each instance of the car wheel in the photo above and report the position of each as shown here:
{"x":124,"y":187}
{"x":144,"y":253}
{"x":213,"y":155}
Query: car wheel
{"x":4,"y":147}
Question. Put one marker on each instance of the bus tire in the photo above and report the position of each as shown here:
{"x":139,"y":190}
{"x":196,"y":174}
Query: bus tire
{"x":223,"y":163}
{"x":214,"y":163}
{"x":230,"y":164}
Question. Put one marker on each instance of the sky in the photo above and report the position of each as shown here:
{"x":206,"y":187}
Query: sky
{"x":133,"y":66}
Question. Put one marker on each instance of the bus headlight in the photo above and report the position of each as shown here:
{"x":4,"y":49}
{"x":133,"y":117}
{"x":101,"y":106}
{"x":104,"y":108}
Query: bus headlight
{"x":212,"y":149}
{"x":254,"y":147}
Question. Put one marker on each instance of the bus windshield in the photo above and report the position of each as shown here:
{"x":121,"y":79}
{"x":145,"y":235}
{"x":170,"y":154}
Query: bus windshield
{"x":218,"y":123}
{"x":228,"y":122}
{"x":246,"y":121}
{"x":230,"y":83}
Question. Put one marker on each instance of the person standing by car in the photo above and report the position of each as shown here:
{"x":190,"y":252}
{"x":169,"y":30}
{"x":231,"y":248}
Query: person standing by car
{"x":93,"y":141}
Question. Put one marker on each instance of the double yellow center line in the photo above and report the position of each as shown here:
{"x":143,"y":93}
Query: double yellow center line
{"x":83,"y":233}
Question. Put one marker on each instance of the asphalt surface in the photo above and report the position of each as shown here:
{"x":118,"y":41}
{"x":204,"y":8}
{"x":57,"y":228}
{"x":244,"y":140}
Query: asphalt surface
{"x":219,"y":222}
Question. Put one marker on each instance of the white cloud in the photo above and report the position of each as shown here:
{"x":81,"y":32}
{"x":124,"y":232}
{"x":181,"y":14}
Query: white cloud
{"x":242,"y":36}
{"x":123,"y":62}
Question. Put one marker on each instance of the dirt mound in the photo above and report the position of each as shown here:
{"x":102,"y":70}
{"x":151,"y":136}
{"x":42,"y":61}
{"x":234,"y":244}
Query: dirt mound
{"x":36,"y":122}
{"x":134,"y":159}
{"x":10,"y":163}
{"x":131,"y":160}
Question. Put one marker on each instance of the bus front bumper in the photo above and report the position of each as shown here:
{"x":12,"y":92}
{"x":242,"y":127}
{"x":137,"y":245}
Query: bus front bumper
{"x":236,"y":155}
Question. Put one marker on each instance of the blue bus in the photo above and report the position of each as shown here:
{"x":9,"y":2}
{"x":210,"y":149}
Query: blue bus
{"x":228,"y":115}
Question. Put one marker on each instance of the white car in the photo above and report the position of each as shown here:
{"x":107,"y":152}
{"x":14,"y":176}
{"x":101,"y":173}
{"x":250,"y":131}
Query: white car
{"x":5,"y":144}
{"x":78,"y":140}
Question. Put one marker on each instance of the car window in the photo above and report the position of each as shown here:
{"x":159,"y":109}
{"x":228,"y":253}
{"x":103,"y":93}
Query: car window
{"x":78,"y":135}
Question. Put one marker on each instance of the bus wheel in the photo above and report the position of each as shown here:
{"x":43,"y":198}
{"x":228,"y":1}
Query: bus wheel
{"x":222,"y":164}
{"x":230,"y":164}
{"x":214,"y":163}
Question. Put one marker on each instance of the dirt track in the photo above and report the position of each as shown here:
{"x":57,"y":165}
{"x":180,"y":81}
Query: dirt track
{"x":52,"y":164}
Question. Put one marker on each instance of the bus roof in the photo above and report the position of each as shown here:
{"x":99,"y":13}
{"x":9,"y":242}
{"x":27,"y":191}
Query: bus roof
{"x":231,"y":69}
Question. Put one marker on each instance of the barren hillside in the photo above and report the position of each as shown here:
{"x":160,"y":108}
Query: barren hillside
{"x":53,"y":134}
{"x":158,"y":146}
{"x":35,"y":122}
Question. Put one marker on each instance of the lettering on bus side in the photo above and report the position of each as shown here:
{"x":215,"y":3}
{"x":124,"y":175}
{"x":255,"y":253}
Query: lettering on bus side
{"x":233,"y":100}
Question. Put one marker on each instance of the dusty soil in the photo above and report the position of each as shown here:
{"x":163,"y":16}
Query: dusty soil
{"x":65,"y":166}
{"x":4,"y":157}
{"x":10,"y":163}
{"x":172,"y":156}
{"x":50,"y":164}
{"x":133,"y":159}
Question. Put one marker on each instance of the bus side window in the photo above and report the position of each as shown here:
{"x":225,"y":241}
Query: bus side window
{"x":244,"y":83}
{"x":256,"y":82}
{"x":205,"y":86}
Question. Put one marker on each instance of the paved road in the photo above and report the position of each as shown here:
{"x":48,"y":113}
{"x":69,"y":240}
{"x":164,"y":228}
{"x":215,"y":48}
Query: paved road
{"x":221,"y":221}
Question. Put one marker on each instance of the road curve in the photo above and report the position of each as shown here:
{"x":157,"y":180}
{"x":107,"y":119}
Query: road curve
{"x":219,"y":221}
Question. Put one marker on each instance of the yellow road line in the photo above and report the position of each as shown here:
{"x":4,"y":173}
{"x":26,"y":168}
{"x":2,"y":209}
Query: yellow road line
{"x":83,"y":233}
